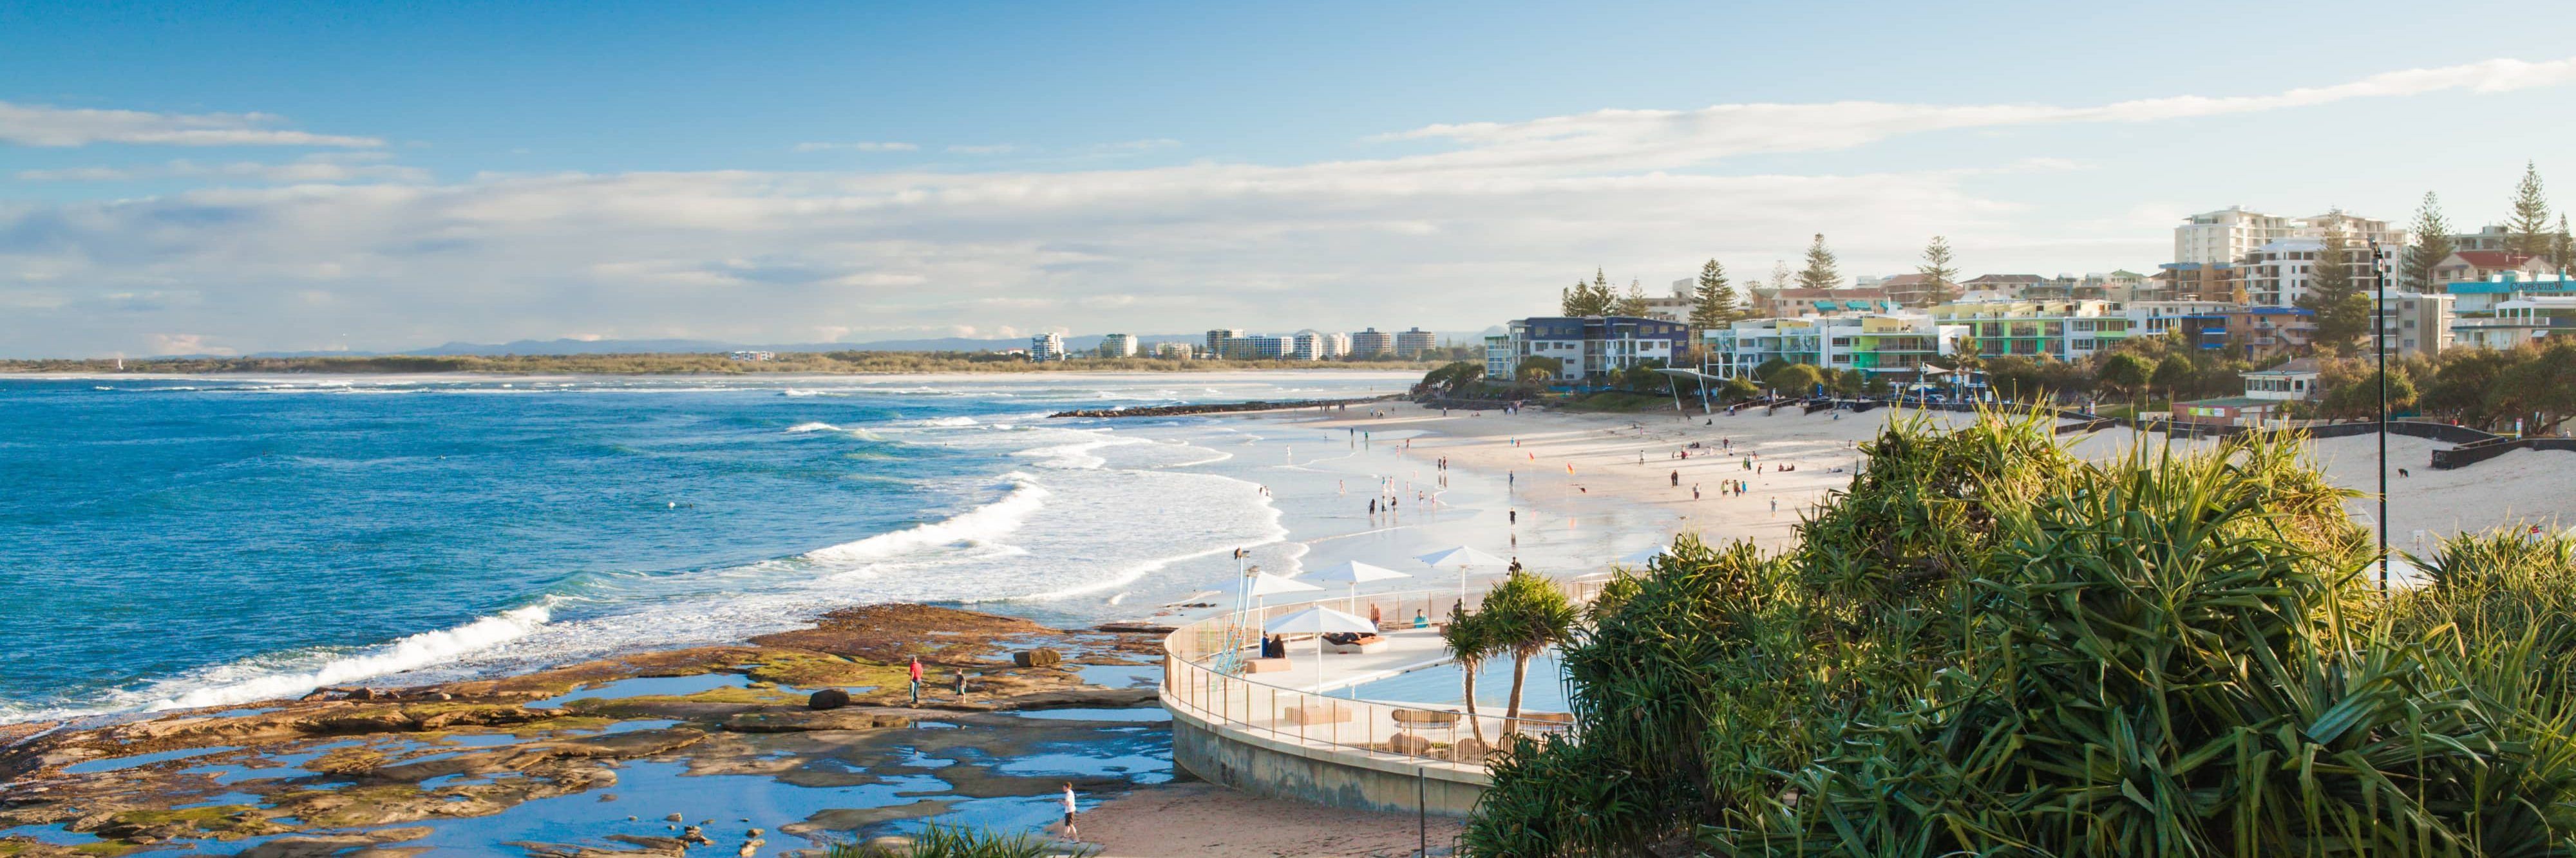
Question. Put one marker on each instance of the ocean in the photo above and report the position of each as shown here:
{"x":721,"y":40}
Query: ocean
{"x":187,"y":542}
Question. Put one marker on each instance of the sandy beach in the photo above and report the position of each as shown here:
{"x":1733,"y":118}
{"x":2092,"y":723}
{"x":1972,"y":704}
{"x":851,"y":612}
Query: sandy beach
{"x":1560,"y":462}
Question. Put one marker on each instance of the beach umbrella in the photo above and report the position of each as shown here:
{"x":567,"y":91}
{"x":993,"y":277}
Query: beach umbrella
{"x":1463,"y":558}
{"x":1318,"y":621}
{"x":1353,"y":573}
{"x":1638,"y":559}
{"x":1266,"y":584}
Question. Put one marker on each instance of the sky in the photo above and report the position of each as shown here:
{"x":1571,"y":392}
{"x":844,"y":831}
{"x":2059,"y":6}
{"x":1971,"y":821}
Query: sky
{"x":229,"y":178}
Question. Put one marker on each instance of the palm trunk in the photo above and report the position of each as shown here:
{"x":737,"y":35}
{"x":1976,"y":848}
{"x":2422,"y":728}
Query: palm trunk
{"x":1512,"y":706}
{"x":1477,"y":728}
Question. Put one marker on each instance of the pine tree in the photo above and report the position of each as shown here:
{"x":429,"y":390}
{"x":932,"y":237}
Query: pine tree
{"x":2432,"y":245}
{"x":1819,"y":273}
{"x":2562,"y":251}
{"x":2530,"y":222}
{"x":1631,"y":304}
{"x":1779,"y":274}
{"x":1940,"y":278}
{"x":2343,"y":312}
{"x":1713,"y":303}
{"x":1569,"y":302}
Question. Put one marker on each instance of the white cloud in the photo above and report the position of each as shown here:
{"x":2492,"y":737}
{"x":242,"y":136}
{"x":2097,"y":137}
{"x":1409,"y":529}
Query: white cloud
{"x":1449,"y":240}
{"x":989,"y":149}
{"x":860,"y":146}
{"x":40,"y":125}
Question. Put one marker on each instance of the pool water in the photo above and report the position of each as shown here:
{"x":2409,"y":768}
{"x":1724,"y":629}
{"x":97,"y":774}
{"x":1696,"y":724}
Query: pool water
{"x":1442,"y":685}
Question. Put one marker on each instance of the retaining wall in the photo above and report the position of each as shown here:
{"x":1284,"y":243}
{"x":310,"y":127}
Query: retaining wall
{"x":1245,"y":760}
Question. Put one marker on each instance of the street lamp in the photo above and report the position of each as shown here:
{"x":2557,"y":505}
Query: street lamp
{"x":2379,"y":347}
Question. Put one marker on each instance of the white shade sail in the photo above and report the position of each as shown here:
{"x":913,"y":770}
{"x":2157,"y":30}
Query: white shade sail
{"x":1266,"y":584}
{"x":1352,"y":572}
{"x":1318,"y":620}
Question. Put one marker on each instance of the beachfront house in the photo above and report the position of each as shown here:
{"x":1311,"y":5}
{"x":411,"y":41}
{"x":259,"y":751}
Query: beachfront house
{"x":2296,"y":380}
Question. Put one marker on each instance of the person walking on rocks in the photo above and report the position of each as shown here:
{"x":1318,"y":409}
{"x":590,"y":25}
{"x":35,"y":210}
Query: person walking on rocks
{"x":916,"y":680}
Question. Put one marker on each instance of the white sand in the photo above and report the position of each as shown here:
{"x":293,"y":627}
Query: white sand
{"x":2517,"y":488}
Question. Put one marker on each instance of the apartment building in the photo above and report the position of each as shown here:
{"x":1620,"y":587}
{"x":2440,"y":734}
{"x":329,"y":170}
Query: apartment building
{"x":2065,"y":330}
{"x":1875,"y":344}
{"x":2519,"y":321}
{"x":1801,"y":302}
{"x":2412,"y":323}
{"x":1371,"y":343}
{"x":1216,"y":339}
{"x":2480,"y":297}
{"x":2276,"y":274}
{"x":1305,"y":345}
{"x":2262,"y":333}
{"x":1046,"y":347}
{"x":2228,"y":235}
{"x":2224,"y":236}
{"x":1587,"y":347}
{"x":1413,"y":343}
{"x":1117,"y":345}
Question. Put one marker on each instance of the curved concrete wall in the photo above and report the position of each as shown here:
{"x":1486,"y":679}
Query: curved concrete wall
{"x":1248,"y":761}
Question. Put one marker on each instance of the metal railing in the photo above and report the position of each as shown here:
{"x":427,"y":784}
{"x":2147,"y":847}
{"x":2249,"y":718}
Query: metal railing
{"x":1433,"y":734}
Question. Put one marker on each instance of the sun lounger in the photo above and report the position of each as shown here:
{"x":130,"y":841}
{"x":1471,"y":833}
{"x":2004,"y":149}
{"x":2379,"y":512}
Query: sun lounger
{"x":1264,"y":665}
{"x":1372,"y":643}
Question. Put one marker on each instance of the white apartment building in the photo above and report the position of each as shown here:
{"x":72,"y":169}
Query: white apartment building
{"x":1046,"y":347}
{"x":1337,"y":345}
{"x":1172,"y":351}
{"x":2154,"y":318}
{"x":2226,"y":236}
{"x":1305,"y":345}
{"x":2276,"y":274}
{"x":1117,"y":345}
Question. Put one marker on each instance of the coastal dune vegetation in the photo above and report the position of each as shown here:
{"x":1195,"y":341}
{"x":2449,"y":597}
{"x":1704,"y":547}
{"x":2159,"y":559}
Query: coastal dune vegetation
{"x":677,"y":363}
{"x":1989,"y":646}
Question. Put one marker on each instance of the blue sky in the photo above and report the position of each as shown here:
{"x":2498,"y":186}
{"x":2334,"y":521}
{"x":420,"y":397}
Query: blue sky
{"x":236,"y":177}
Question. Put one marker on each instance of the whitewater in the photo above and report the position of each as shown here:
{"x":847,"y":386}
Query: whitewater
{"x":209,"y":542}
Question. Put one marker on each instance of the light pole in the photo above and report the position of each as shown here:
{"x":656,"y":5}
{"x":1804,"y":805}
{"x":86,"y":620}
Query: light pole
{"x":2379,"y":346}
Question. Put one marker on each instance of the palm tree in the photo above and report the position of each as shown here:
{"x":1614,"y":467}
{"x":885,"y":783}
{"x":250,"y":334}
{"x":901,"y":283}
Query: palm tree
{"x":1470,"y":643}
{"x":1525,"y":614}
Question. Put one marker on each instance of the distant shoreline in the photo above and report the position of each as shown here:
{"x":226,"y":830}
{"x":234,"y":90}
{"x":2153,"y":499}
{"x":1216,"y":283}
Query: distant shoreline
{"x":800,"y":363}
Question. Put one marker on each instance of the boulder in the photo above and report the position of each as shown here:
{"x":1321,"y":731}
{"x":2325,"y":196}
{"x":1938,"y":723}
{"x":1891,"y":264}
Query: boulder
{"x":829,"y":698}
{"x":1040,"y":657}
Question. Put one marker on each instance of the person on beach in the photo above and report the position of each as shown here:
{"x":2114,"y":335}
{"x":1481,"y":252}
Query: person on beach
{"x":1677,"y":479}
{"x":1376,"y":620}
{"x":1694,"y":491}
{"x":1775,"y":507}
{"x":916,"y":680}
{"x":961,"y":685}
{"x":1420,"y":620}
{"x":1070,"y":833}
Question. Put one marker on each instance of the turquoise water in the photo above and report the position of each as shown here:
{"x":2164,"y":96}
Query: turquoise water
{"x":1543,"y":692}
{"x":205,"y":542}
